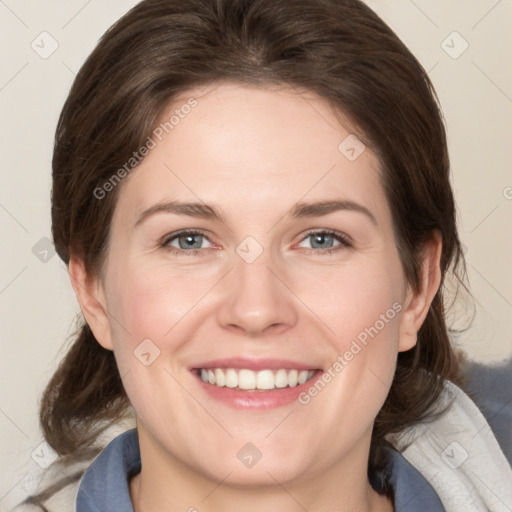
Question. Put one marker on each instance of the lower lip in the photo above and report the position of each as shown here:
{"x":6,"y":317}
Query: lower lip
{"x":257,"y":399}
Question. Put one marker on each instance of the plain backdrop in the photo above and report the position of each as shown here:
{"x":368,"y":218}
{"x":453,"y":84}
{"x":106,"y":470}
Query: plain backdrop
{"x":466,"y":46}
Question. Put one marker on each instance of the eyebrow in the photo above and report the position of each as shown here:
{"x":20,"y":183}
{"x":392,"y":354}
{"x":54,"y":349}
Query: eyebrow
{"x":325,"y":207}
{"x":299,"y":210}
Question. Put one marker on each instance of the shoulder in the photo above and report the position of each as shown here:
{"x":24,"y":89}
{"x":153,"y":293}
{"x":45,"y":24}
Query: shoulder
{"x":56,"y":489}
{"x":490,"y":387}
{"x":458,"y":451}
{"x":58,"y":485}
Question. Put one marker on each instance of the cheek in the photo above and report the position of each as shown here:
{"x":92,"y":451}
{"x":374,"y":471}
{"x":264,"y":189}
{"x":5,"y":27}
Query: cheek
{"x":361,"y":308}
{"x":150,"y":311}
{"x":151,"y":302}
{"x":354,"y":301}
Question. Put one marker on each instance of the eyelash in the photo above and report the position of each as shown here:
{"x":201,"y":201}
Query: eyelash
{"x":344,"y":242}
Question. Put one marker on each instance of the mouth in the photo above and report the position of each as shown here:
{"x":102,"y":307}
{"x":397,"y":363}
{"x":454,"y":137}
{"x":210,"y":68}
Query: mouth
{"x":250,"y":384}
{"x":244,"y":379}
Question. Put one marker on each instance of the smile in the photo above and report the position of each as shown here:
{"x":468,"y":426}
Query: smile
{"x":246,"y":380}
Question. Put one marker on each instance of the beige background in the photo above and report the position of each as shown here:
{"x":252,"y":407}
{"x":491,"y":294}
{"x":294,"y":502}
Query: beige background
{"x":36,"y":300}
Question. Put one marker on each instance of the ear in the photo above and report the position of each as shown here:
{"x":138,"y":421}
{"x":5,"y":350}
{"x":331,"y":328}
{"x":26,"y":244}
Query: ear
{"x":417,"y":303}
{"x":91,"y":297}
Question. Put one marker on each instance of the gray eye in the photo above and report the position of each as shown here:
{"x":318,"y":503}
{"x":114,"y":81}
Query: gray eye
{"x":190,"y":241}
{"x":321,"y":240}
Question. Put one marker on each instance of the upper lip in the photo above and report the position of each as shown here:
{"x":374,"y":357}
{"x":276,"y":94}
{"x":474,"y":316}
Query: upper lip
{"x":255,"y":364}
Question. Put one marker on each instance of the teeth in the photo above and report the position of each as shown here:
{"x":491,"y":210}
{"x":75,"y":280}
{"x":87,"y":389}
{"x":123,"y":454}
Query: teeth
{"x":281,"y":379}
{"x":248,"y":379}
{"x":220,"y":378}
{"x":265,"y":380}
{"x":231,"y":378}
{"x":293,"y":378}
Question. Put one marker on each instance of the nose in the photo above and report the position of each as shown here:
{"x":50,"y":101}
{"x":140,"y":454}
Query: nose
{"x":257,"y":299}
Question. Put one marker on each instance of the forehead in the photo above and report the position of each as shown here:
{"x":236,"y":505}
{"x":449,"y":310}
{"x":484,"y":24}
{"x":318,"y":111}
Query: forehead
{"x":249,"y":147}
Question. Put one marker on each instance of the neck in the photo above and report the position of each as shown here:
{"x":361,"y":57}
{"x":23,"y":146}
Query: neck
{"x":170,"y":485}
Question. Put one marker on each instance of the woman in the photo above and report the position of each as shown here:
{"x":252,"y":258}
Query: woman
{"x":253,"y":201}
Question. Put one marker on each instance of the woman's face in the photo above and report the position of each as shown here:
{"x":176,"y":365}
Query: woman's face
{"x":291,"y":273}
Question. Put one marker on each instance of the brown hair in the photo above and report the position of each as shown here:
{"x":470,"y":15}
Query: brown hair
{"x":338,"y":49}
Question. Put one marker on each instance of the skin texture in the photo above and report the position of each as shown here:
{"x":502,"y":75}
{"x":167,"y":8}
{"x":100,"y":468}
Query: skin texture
{"x":254,"y":153}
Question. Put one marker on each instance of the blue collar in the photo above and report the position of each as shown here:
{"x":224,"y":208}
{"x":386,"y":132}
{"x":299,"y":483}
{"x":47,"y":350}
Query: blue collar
{"x":104,"y":487}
